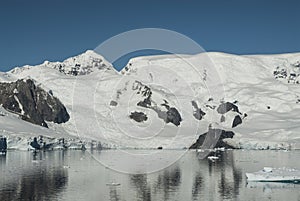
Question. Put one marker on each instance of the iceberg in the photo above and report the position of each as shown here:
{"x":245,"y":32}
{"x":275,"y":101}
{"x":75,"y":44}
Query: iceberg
{"x":269,"y":174}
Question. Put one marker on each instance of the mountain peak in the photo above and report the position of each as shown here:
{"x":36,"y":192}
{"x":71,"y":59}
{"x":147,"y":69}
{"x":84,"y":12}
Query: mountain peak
{"x":81,"y":64}
{"x":88,"y":53}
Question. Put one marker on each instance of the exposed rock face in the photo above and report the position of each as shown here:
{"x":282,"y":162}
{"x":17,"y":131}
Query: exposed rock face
{"x":34,"y":144}
{"x":226,"y":107}
{"x":82,"y":64}
{"x":173,"y":116}
{"x":32,"y":103}
{"x":142,"y":89}
{"x":170,"y":116}
{"x":113,"y":103}
{"x":230,"y":114}
{"x":236,"y":121}
{"x":145,"y":103}
{"x":220,"y":143}
{"x":138,"y":116}
{"x":198,"y":113}
{"x":289,"y":73}
{"x":3,"y":144}
{"x":280,"y":73}
{"x":222,"y":119}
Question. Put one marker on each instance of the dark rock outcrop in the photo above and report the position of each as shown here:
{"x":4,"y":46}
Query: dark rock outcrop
{"x":142,"y":89}
{"x":113,"y":103}
{"x":173,"y":116}
{"x":280,"y":73}
{"x":32,"y":103}
{"x":236,"y":121}
{"x":3,"y":145}
{"x":220,"y":143}
{"x":145,"y":103}
{"x":34,"y":144}
{"x":138,"y":116}
{"x":170,"y":116}
{"x":145,"y":91}
{"x":198,"y":113}
{"x":226,"y":107}
{"x":222,"y":118}
{"x":288,"y":73}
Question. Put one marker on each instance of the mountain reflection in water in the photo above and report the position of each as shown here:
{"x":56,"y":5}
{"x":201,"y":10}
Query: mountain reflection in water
{"x":75,"y":175}
{"x":39,"y":180}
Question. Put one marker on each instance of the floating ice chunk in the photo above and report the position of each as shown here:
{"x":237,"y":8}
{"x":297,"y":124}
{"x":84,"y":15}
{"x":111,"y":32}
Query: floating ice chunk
{"x":268,"y":174}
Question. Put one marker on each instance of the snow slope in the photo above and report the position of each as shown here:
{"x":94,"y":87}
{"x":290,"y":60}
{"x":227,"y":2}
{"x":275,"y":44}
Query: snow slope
{"x":100,"y":100}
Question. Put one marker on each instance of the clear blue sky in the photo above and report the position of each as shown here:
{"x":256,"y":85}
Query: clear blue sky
{"x":32,"y":31}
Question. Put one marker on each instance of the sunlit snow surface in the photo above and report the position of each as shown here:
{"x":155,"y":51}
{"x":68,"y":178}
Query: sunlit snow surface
{"x":271,"y":104}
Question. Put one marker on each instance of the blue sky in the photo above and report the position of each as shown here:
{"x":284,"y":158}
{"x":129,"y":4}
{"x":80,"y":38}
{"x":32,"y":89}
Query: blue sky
{"x":32,"y":31}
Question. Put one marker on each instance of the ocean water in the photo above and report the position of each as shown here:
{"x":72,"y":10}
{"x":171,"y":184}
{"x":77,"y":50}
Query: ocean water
{"x":85,"y":175}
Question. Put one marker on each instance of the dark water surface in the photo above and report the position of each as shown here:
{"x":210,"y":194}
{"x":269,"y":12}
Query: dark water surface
{"x":75,"y":175}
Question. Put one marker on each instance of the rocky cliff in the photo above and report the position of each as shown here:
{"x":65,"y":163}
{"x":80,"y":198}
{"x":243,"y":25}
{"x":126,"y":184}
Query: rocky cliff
{"x":32,"y":103}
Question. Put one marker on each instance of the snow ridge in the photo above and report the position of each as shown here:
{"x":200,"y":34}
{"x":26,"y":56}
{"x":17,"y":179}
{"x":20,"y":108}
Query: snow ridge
{"x":82,"y":64}
{"x":101,"y":102}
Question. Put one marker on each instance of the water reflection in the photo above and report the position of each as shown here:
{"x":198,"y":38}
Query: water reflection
{"x":156,"y":186}
{"x":2,"y":160}
{"x":139,"y":182}
{"x":29,"y":187}
{"x":169,"y":181}
{"x":37,"y":181}
{"x":192,"y":178}
{"x":113,"y":193}
{"x":74,"y":175}
{"x":229,"y":189}
{"x":197,"y":186}
{"x":223,"y":172}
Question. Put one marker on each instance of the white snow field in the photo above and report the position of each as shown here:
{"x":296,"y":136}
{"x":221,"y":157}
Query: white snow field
{"x":100,"y":99}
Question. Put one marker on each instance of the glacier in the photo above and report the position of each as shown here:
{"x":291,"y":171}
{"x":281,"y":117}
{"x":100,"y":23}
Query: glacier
{"x":100,"y":100}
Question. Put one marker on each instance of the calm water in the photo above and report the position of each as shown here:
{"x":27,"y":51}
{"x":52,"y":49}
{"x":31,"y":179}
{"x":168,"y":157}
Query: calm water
{"x":76,"y":175}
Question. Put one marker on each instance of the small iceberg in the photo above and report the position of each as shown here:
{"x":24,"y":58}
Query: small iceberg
{"x":113,"y":184}
{"x":268,"y":174}
{"x":213,"y":158}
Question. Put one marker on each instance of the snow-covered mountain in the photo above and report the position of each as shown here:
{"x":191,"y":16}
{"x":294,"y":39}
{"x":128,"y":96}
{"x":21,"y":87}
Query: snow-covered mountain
{"x":168,"y":101}
{"x":78,"y":65}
